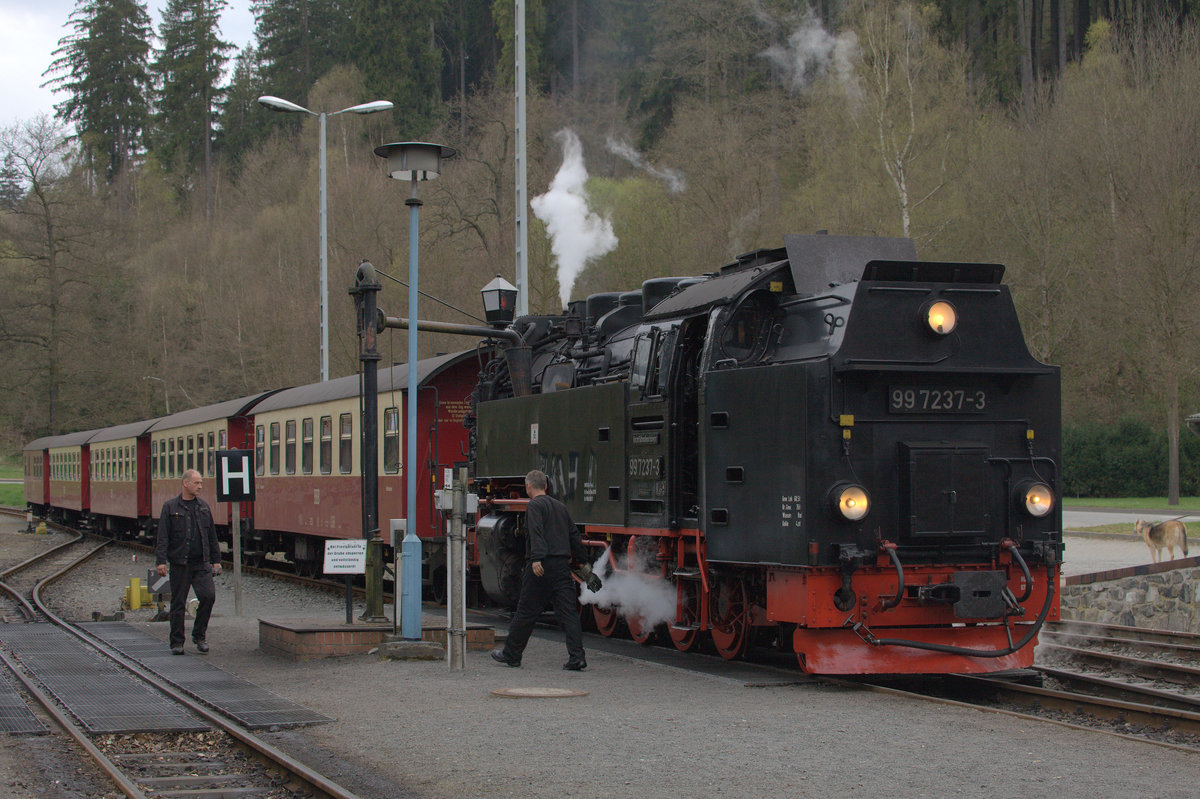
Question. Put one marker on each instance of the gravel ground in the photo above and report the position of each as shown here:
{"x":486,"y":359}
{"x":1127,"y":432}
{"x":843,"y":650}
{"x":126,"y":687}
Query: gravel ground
{"x":417,"y":729}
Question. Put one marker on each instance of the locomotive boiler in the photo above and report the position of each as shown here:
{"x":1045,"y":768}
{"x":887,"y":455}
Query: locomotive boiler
{"x":830,"y":447}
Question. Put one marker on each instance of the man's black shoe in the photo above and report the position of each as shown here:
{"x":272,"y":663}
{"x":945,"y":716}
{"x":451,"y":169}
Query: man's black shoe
{"x":499,"y":656}
{"x":177,"y":649}
{"x":575,"y":665}
{"x":201,"y":646}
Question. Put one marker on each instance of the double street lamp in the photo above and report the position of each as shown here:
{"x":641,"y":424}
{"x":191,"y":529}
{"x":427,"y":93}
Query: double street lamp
{"x":278,"y":104}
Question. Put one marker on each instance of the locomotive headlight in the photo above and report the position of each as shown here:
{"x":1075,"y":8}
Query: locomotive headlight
{"x":851,"y":501}
{"x":941,"y":317}
{"x":1036,"y":498}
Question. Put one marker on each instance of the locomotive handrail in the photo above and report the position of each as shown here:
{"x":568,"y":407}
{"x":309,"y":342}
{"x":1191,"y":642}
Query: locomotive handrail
{"x":890,"y":548}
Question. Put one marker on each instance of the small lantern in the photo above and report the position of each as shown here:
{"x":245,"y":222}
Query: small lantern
{"x":499,"y":302}
{"x":414,"y":160}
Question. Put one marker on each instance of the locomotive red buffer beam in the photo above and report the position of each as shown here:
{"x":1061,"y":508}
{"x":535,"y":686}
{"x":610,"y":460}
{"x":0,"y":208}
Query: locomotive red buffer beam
{"x":926,"y":632}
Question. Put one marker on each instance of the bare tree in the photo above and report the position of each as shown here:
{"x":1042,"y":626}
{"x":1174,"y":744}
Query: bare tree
{"x":40,"y":260}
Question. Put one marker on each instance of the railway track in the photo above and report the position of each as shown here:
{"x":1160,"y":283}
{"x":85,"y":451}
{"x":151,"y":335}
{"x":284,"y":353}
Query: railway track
{"x":226,"y":760}
{"x":1125,"y":681}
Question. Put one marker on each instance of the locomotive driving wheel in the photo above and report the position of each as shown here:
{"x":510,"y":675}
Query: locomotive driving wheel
{"x":606,"y":620}
{"x":642,"y":560}
{"x":685,"y":633}
{"x":730,"y":618}
{"x":645,"y":634}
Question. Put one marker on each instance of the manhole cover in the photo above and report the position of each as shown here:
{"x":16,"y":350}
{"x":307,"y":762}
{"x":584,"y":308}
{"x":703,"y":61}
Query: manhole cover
{"x":538,"y":693}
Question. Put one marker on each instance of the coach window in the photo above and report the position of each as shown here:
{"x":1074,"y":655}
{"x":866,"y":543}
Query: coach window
{"x":306,"y":445}
{"x":289,"y":446}
{"x":345,"y":443}
{"x":154,"y":459}
{"x":326,"y":444}
{"x":212,"y":454}
{"x":162,"y":457}
{"x":260,"y":450}
{"x":191,"y":452}
{"x":391,"y":440}
{"x":170,"y":470}
{"x":274,"y":447}
{"x":179,"y":456}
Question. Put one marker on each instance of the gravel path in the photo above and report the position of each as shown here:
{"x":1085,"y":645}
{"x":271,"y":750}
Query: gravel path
{"x":661,"y":732}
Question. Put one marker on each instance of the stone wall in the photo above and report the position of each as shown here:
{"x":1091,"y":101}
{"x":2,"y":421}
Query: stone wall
{"x":1159,"y":600}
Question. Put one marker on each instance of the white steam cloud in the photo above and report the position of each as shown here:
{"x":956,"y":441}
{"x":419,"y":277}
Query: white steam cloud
{"x":645,"y":597}
{"x":577,"y":235}
{"x":672,"y":177}
{"x":811,"y":53}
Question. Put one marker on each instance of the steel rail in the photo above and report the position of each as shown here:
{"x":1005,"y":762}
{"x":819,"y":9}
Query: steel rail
{"x":1071,"y":706}
{"x":1117,"y":688}
{"x":109,"y":768}
{"x":254,"y":745}
{"x":1179,"y":641}
{"x":1153,"y":669}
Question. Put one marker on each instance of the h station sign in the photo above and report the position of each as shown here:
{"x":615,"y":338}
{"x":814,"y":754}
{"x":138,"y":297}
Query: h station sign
{"x":235,"y":475}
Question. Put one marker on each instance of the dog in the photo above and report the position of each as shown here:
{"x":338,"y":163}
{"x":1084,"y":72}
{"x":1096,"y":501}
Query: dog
{"x":1163,"y":535}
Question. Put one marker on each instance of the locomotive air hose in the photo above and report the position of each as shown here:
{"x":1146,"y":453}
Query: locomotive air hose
{"x":959,"y":650}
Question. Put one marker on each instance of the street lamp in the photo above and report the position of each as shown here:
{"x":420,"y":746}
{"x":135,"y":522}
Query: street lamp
{"x":412,"y":161}
{"x":278,"y":104}
{"x":166,"y":394}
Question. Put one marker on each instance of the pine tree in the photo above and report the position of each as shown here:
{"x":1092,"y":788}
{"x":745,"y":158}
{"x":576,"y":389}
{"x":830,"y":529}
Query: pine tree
{"x":187,"y":75}
{"x":399,"y":59}
{"x":298,"y":42}
{"x":244,"y":123}
{"x":104,"y":67}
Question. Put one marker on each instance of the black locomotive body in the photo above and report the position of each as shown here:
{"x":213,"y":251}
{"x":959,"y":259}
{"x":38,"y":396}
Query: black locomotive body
{"x":832,"y":447}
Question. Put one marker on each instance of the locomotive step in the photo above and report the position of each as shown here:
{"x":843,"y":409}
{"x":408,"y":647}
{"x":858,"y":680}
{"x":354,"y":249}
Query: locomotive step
{"x":687,"y":574}
{"x":685,"y":626}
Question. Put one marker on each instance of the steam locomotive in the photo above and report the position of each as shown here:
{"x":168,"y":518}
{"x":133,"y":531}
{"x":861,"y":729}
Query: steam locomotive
{"x":831,"y":447}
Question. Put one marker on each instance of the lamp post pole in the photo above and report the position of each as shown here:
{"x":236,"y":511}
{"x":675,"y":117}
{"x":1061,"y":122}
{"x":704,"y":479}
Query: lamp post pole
{"x":410,"y":553}
{"x":412,"y":161}
{"x":323,"y":224}
{"x":285,"y":106}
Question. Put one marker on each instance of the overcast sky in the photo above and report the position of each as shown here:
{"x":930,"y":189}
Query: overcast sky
{"x":29,"y":33}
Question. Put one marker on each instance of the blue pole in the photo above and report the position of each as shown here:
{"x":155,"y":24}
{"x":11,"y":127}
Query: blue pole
{"x":410,"y":551}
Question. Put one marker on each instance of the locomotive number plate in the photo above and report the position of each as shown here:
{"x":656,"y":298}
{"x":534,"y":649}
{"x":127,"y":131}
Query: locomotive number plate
{"x":932,"y":399}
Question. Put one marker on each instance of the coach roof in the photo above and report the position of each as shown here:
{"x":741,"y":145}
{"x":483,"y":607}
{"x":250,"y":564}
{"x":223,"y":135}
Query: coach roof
{"x":65,"y":440}
{"x":131,"y":430}
{"x":393,"y":378}
{"x":208,"y":413}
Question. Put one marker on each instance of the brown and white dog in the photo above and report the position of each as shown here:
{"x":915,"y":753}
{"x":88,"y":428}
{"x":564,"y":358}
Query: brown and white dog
{"x":1163,"y":535}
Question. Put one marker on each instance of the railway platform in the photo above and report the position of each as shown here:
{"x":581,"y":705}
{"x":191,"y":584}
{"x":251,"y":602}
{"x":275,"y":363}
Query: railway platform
{"x":108,"y":700}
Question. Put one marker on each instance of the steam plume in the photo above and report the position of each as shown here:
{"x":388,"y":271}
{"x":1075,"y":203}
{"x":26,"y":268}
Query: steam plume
{"x":577,"y":235}
{"x":641,"y":596}
{"x":672,"y":177}
{"x":812,"y":52}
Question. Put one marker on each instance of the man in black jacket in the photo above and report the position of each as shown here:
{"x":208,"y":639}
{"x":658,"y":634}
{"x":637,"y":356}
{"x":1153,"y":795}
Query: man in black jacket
{"x":187,"y":540}
{"x":551,"y":541}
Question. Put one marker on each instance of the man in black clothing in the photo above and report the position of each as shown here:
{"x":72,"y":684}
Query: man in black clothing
{"x":551,"y":541}
{"x":187,"y":541}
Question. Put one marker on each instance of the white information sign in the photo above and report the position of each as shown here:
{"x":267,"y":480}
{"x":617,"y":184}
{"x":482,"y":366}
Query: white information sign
{"x":346,"y":557}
